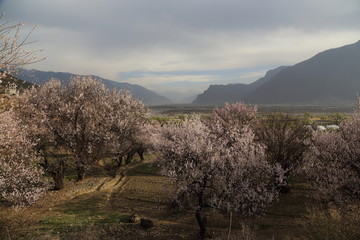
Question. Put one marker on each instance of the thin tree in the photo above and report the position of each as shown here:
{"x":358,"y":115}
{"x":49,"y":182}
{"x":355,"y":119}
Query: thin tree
{"x":287,"y":140}
{"x":13,"y":52}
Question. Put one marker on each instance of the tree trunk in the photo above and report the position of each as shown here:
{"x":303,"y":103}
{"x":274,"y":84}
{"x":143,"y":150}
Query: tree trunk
{"x":58,"y":180}
{"x":202,"y":222}
{"x":230,"y":224}
{"x":80,"y":173}
{"x":129,"y":157}
{"x":141,"y":154}
{"x":118,"y":159}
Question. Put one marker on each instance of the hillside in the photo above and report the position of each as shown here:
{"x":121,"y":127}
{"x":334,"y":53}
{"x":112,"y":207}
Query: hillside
{"x":331,"y":77}
{"x":147,"y":96}
{"x":8,"y":79}
{"x":219,"y":94}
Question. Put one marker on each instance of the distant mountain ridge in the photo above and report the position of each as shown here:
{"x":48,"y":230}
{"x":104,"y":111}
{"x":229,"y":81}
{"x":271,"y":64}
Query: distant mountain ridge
{"x":219,"y":94}
{"x":139,"y":92}
{"x":331,"y":77}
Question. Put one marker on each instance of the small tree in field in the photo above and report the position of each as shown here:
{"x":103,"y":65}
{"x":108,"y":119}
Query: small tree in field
{"x":138,"y":143}
{"x":87,"y":119}
{"x":235,"y":114}
{"x":207,"y":172}
{"x":286,"y":140}
{"x":20,"y":178}
{"x":333,"y":163}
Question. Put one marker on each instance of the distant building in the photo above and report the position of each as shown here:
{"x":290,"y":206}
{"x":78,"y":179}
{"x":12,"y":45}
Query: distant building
{"x":320,"y":128}
{"x":332,"y":127}
{"x":12,"y":89}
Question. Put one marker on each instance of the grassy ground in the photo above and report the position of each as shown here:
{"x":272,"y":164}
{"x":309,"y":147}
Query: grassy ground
{"x":102,"y":208}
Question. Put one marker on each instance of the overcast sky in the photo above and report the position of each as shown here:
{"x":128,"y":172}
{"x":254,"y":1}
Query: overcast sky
{"x":182,"y":45}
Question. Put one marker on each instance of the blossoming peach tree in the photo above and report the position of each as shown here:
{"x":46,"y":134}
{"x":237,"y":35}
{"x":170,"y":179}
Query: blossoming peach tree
{"x":216,"y":165}
{"x":333,"y":163}
{"x":21,"y":180}
{"x":87,"y":119}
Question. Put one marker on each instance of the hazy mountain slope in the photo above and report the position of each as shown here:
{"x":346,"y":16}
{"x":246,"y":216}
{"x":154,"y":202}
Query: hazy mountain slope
{"x":179,"y":97}
{"x":268,"y":76}
{"x":219,"y":94}
{"x":148,"y":97}
{"x":330,"y":77}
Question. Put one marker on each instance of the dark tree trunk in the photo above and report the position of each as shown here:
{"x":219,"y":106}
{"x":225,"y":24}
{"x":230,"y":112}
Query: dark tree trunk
{"x":129,"y":157}
{"x":202,"y":223}
{"x":118,"y":159}
{"x":200,"y":218}
{"x":57,"y":172}
{"x":141,"y":154}
{"x":58,"y":180}
{"x":80,"y":173}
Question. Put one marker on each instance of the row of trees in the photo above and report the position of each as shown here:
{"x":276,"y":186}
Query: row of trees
{"x":236,"y":162}
{"x":53,"y":124}
{"x":231,"y":161}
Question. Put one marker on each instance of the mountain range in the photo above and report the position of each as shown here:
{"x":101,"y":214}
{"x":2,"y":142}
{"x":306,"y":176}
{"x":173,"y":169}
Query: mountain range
{"x":331,"y":77}
{"x":219,"y":94}
{"x":139,"y":92}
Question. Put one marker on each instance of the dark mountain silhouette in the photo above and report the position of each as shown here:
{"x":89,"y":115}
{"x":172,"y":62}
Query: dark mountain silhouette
{"x":219,"y":94}
{"x":331,"y":77}
{"x":139,"y":92}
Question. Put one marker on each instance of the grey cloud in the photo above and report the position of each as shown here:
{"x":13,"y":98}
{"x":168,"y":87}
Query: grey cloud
{"x":131,"y":17}
{"x":121,"y":29}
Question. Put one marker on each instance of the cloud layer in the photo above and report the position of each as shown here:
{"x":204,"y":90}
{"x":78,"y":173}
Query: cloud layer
{"x":188,"y":44}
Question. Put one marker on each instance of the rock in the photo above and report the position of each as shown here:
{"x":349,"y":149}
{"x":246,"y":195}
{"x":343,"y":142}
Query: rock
{"x":134,"y":218}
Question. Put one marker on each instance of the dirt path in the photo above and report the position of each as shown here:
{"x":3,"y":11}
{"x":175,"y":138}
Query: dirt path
{"x":100,"y":207}
{"x":74,"y":192}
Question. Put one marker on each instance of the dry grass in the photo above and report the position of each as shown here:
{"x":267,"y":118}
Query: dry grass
{"x":100,"y":208}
